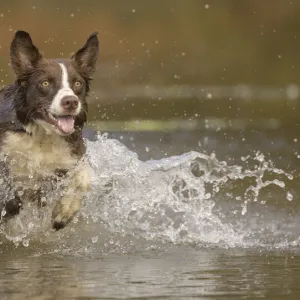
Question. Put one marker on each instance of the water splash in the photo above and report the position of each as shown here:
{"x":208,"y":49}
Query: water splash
{"x":188,"y":199}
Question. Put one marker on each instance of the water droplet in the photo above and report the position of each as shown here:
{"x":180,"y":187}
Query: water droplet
{"x":244,"y":210}
{"x":289,"y":196}
{"x":94,"y":239}
{"x":25,"y":243}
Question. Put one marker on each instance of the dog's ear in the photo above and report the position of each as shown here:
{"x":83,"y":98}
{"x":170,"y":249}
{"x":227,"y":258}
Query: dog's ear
{"x":24,"y":56}
{"x":85,"y":58}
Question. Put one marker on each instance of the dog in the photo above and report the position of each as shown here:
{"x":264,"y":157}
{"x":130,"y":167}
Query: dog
{"x":42,"y":116}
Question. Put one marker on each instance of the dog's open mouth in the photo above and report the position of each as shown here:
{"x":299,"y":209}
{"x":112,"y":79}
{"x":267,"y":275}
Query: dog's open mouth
{"x":64,"y":123}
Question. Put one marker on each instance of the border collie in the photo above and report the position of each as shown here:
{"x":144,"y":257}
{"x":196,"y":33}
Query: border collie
{"x":41,"y":121}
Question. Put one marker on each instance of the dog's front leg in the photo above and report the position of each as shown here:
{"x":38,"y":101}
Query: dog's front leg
{"x":21,"y":195}
{"x":12,"y":205}
{"x":70,"y":202}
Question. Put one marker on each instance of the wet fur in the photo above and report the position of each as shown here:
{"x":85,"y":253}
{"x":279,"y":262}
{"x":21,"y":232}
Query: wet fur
{"x":33,"y":154}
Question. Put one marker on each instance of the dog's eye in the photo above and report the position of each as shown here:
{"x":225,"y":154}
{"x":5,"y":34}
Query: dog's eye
{"x":78,"y":84}
{"x":45,"y":83}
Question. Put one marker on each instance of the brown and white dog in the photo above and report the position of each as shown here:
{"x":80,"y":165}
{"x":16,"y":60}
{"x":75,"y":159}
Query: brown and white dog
{"x":41,"y":122}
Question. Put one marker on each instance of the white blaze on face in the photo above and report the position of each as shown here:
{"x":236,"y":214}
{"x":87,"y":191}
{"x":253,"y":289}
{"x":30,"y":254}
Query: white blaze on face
{"x":65,"y":90}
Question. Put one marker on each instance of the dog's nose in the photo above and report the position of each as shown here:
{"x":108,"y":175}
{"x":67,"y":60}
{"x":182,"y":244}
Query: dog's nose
{"x":69,"y":103}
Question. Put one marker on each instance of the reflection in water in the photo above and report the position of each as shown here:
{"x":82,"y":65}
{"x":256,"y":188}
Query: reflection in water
{"x":181,"y":272}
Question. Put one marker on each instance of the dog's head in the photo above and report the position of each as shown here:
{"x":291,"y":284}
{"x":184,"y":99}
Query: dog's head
{"x":52,"y":93}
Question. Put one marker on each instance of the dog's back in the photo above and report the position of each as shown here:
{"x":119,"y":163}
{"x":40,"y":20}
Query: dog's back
{"x":8,"y":119}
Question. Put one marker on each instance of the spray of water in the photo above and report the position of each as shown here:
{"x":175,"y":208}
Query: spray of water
{"x":188,"y":199}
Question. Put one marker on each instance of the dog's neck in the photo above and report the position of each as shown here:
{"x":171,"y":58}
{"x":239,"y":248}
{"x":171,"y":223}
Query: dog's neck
{"x":37,"y":130}
{"x":40,"y":135}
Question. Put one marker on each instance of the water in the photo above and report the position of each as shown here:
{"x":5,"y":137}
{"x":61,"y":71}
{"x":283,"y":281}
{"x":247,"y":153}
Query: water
{"x":194,"y":224}
{"x":180,"y":273}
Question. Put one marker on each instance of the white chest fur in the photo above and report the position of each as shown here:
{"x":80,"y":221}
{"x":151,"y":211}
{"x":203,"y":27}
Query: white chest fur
{"x":32,"y":158}
{"x":39,"y":154}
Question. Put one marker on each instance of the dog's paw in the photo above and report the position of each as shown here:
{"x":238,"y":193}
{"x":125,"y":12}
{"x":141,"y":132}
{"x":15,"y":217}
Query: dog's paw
{"x":13,"y":207}
{"x":60,"y":221}
{"x":64,"y":211}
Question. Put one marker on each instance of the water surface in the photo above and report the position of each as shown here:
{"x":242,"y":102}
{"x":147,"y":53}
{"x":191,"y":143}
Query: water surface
{"x":183,"y":214}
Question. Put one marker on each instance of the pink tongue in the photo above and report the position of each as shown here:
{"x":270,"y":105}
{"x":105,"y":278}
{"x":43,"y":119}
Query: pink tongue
{"x":66,"y":124}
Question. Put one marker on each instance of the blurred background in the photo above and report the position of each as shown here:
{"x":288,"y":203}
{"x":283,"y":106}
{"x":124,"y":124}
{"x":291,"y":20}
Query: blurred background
{"x":174,"y":65}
